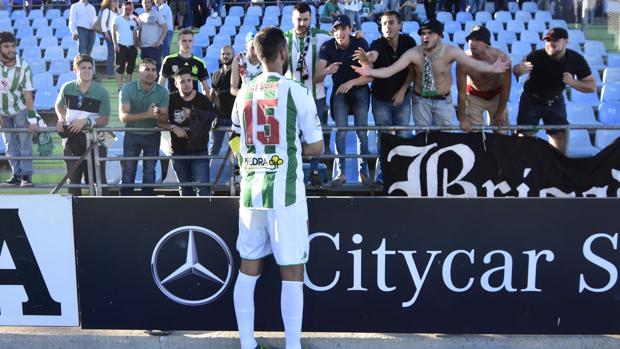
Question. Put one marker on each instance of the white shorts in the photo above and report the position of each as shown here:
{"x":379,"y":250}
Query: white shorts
{"x":283,"y":232}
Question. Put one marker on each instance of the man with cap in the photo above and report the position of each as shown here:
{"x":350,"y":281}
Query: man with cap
{"x":551,"y":69}
{"x":432,"y":62}
{"x":480,"y":92}
{"x":246,"y":66}
{"x":349,"y":93}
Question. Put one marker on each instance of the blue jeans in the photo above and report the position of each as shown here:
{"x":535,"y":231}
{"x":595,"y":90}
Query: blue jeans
{"x":109,"y":68}
{"x":18,"y":143}
{"x":165,"y":47}
{"x":321,"y":109}
{"x":532,"y":109}
{"x":86,"y":40}
{"x":216,"y":139}
{"x":196,"y":170}
{"x":153,"y":53}
{"x":133,"y":145}
{"x":359,"y":98}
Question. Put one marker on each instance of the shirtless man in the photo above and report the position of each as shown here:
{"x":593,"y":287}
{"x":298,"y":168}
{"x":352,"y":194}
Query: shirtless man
{"x":482,"y":91}
{"x":432,"y":61}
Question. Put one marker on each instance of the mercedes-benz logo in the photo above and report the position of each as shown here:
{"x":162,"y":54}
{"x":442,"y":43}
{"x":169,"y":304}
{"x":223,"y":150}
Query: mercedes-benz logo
{"x":192,"y":265}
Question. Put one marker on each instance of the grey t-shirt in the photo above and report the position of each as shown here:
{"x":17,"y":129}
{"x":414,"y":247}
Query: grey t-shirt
{"x":151,"y":23}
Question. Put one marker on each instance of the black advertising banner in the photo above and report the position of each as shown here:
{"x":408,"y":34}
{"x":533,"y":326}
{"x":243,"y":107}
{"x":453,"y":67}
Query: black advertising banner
{"x":476,"y":165}
{"x":506,"y":266}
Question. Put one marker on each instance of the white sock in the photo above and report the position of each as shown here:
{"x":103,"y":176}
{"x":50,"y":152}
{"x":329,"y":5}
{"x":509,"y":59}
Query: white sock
{"x":292,"y":305}
{"x":243,"y":297}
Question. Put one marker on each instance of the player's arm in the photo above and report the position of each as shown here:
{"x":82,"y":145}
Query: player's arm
{"x":500,"y":66}
{"x":312,"y":149}
{"x":235,"y":77}
{"x":310,"y":125}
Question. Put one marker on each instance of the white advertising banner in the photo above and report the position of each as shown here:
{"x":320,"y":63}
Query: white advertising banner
{"x":38,"y":284}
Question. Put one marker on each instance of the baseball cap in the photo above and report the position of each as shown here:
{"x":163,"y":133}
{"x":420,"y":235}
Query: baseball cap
{"x":481,"y":34}
{"x":341,"y":20}
{"x":433,"y":25}
{"x":555,"y":34}
{"x":249,"y":36}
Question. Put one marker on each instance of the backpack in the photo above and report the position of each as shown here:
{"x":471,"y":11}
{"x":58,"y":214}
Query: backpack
{"x":97,"y":25}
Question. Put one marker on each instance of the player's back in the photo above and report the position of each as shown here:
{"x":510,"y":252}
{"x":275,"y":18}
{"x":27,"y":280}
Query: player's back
{"x":270,"y":112}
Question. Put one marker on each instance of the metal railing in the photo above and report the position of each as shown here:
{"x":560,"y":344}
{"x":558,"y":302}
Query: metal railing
{"x":94,"y":169}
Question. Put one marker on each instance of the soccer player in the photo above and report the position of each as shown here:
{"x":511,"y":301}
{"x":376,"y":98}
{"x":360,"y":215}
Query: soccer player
{"x":269,"y":114}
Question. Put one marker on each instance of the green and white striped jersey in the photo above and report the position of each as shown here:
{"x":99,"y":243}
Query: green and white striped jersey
{"x":269,"y":114}
{"x":13,"y":82}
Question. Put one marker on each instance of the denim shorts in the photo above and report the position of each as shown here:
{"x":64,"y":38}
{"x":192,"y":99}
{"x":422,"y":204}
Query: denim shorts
{"x":531,"y":110}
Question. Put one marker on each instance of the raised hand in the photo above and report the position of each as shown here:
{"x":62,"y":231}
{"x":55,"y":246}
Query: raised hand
{"x":333,"y":68}
{"x":361,"y":56}
{"x":363,"y":70}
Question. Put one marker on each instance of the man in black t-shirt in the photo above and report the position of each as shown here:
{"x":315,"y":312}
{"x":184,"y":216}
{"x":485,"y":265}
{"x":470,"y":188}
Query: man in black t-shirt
{"x":222,"y":99}
{"x":188,"y":108}
{"x":184,"y":59}
{"x":551,"y":69}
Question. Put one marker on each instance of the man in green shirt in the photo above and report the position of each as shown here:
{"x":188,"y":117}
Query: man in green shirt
{"x":143,"y":103}
{"x":81,"y":105}
{"x":330,"y":11}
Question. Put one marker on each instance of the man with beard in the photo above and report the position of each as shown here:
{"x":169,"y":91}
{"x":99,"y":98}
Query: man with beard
{"x":142,"y":104}
{"x":303,"y":45}
{"x":245,"y":66}
{"x":151,"y":33}
{"x":188,"y":108}
{"x":17,"y":109}
{"x":184,"y":59}
{"x":273,"y":215}
{"x":432,"y":62}
{"x":81,"y":105}
{"x":480,"y":92}
{"x":551,"y":69}
{"x":350,"y":92}
{"x":222,"y":100}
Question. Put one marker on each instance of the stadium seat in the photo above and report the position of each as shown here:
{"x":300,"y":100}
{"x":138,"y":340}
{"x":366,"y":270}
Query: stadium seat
{"x":39,"y":23}
{"x":30,"y":53}
{"x":58,"y":22}
{"x":67,"y":42}
{"x":523,"y":16}
{"x":233,"y":20}
{"x":55,"y":53}
{"x":503,"y":16}
{"x":515,"y":93}
{"x":44,"y":31}
{"x":72,"y":52}
{"x":580,"y":114}
{"x":272,"y":11}
{"x":221,"y":39}
{"x":469,"y":25}
{"x":37,"y":65}
{"x":613,"y":60}
{"x":603,"y":138}
{"x":251,"y":20}
{"x":231,"y":30}
{"x":100,"y":53}
{"x":52,"y":13}
{"x":35,"y":13}
{"x":452,"y":27}
{"x":214,"y":21}
{"x":588,"y":99}
{"x":463,"y":17}
{"x":529,"y":6}
{"x":515,"y":26}
{"x":197,"y":50}
{"x":408,"y":26}
{"x":595,"y":61}
{"x":506,"y":37}
{"x":558,"y":23}
{"x":444,"y":16}
{"x":239,"y":47}
{"x":65,"y":14}
{"x":212,"y":64}
{"x":610,"y":93}
{"x":201,"y":39}
{"x":61,"y":32}
{"x":459,"y":37}
{"x":214,"y":50}
{"x":45,"y":97}
{"x":256,"y":11}
{"x":571,"y":45}
{"x":23,"y":32}
{"x":41,"y":80}
{"x":483,"y":17}
{"x":597,"y":78}
{"x":270,"y":21}
{"x":520,"y":48}
{"x":64,"y":78}
{"x":513,"y":112}
{"x":535,"y":25}
{"x":370,"y":27}
{"x":544,"y":16}
{"x":594,"y":47}
{"x":609,"y":113}
{"x":48,"y":41}
{"x":416,"y":37}
{"x":494,"y":26}
{"x":577,"y":35}
{"x":530,"y":37}
{"x":18,"y":14}
{"x":59,"y":67}
{"x":208,"y":30}
{"x":579,"y":145}
{"x":611,"y":75}
{"x":28,"y":41}
{"x":513,"y":6}
{"x":235,"y":11}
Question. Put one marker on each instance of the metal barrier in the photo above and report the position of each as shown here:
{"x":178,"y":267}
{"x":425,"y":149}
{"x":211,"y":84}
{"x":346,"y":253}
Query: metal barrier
{"x":95,"y":185}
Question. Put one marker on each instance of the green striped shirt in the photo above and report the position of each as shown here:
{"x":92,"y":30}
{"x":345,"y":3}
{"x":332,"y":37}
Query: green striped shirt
{"x":13,"y":82}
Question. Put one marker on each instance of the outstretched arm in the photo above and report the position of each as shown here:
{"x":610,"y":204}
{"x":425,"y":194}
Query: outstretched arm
{"x":500,"y":66}
{"x":402,"y":63}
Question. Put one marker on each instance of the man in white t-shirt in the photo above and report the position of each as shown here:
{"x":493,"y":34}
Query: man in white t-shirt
{"x":151,"y":33}
{"x":270,"y":113}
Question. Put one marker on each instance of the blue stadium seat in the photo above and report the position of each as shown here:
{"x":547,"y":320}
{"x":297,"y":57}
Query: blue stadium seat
{"x":100,"y":53}
{"x":463,"y":17}
{"x":65,"y":77}
{"x":65,"y":14}
{"x":537,"y":25}
{"x":523,"y":16}
{"x":571,"y":45}
{"x":613,"y":59}
{"x":515,"y":93}
{"x":580,"y":114}
{"x":588,"y":99}
{"x":35,"y":13}
{"x":558,"y":23}
{"x":6,"y":25}
{"x":610,"y":93}
{"x":520,"y":48}
{"x":594,"y":47}
{"x":45,"y":97}
{"x":239,"y":47}
{"x":272,"y":11}
{"x":577,"y":35}
{"x":503,"y":16}
{"x":469,"y":25}
{"x":287,"y":24}
{"x":530,"y":37}
{"x":20,"y":23}
{"x":270,"y":21}
{"x":41,"y":80}
{"x":597,"y":78}
{"x":251,"y":20}
{"x":459,"y":37}
{"x":513,"y":7}
{"x":232,"y":20}
{"x":197,"y":50}
{"x":611,"y":75}
{"x":256,"y":11}
{"x":609,"y":113}
{"x":595,"y":61}
{"x":212,"y":64}
{"x":58,"y":22}
{"x":369,"y":27}
{"x":18,"y":14}
{"x":67,"y":42}
{"x":214,"y":21}
{"x":48,"y":41}
{"x":506,"y":37}
{"x":214,"y":51}
{"x":4,"y":14}
{"x":452,"y":27}
{"x":515,"y":26}
{"x":61,"y":32}
{"x":201,"y":39}
{"x":28,"y":41}
{"x":544,"y":16}
{"x":529,"y":7}
{"x":494,"y":26}
{"x":58,"y":67}
{"x":483,"y":17}
{"x":235,"y":11}
{"x":53,"y":13}
{"x":54,"y":53}
{"x":603,"y":138}
{"x":37,"y":65}
{"x":513,"y":112}
{"x":410,"y":26}
{"x":39,"y":23}
{"x":444,"y":16}
{"x":72,"y":52}
{"x":208,"y":30}
{"x":579,"y":144}
{"x":44,"y":31}
{"x":30,"y":53}
{"x":221,"y":39}
{"x":23,"y":32}
{"x":415,"y":37}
